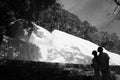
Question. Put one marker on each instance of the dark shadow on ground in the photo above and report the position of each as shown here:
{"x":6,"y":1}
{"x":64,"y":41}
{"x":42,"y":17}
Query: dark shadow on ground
{"x":29,"y":70}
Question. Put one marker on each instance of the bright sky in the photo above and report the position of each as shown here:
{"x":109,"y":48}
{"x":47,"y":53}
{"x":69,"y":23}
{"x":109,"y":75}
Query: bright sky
{"x":96,"y":12}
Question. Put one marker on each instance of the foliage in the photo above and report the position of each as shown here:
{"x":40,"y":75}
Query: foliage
{"x":55,"y":17}
{"x":110,"y":41}
{"x":12,"y":11}
{"x":21,"y":9}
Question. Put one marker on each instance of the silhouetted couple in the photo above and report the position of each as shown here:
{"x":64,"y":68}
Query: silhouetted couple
{"x":100,"y":63}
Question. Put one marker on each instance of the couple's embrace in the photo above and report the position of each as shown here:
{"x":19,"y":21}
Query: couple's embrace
{"x":100,"y":63}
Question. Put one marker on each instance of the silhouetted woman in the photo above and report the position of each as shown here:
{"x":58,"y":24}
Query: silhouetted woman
{"x":95,"y":66}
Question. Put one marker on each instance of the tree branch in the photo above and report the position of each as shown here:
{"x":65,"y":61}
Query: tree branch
{"x":117,"y":2}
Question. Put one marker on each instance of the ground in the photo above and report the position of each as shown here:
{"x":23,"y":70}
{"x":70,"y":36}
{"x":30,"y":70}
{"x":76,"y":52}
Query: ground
{"x":29,"y":70}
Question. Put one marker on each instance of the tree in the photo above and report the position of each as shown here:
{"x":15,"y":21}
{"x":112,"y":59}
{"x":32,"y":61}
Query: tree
{"x":21,"y":12}
{"x":12,"y":10}
{"x":107,"y":40}
{"x":117,"y":15}
{"x":55,"y":17}
{"x":117,"y":2}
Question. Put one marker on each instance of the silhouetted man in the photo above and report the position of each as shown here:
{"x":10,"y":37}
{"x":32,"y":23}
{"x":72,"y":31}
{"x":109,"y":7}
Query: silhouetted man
{"x":95,"y":66}
{"x":103,"y":60}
